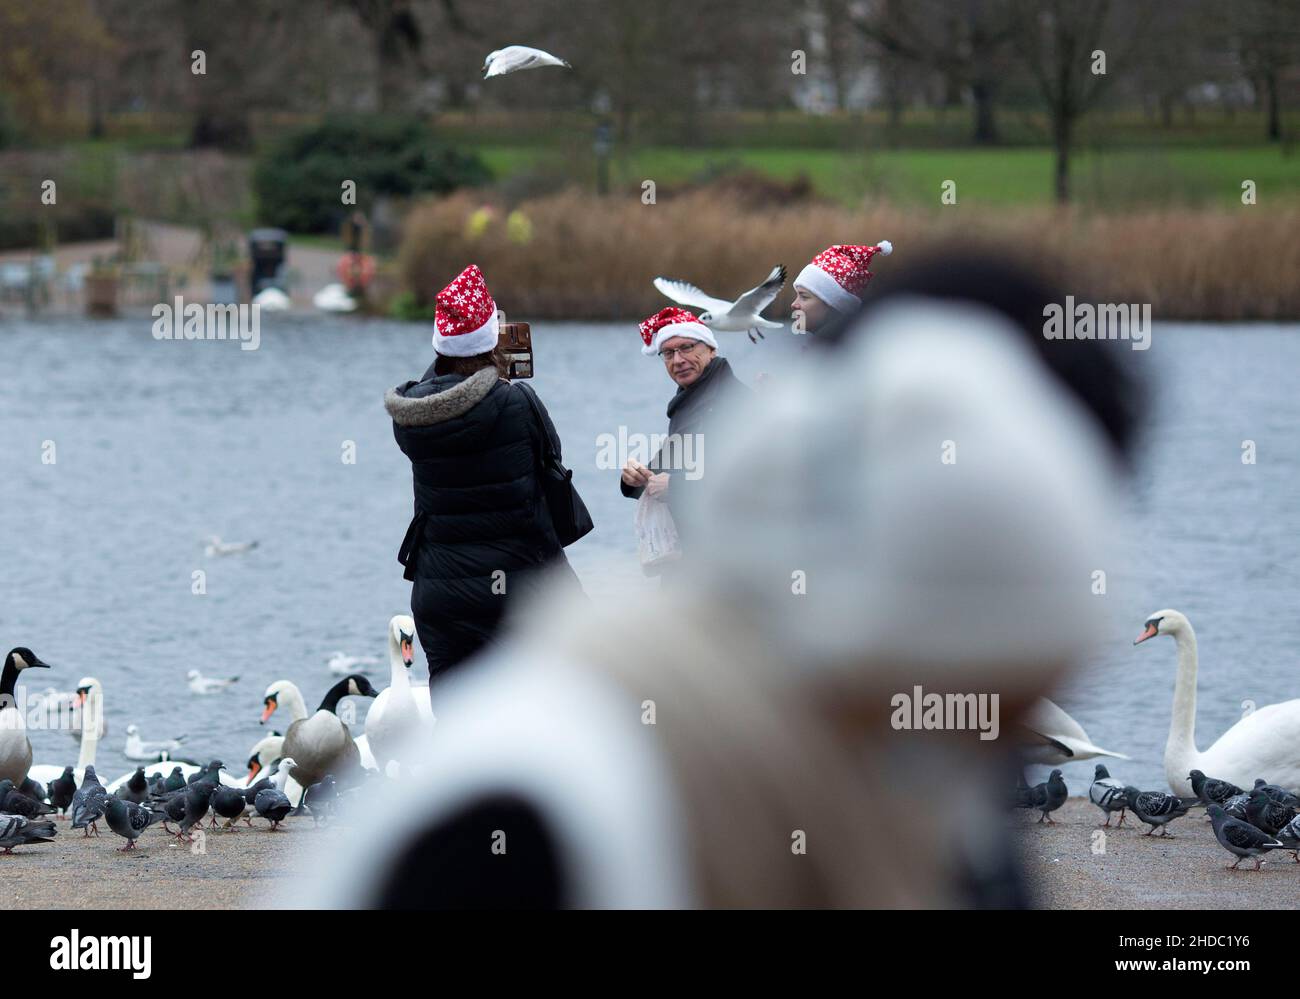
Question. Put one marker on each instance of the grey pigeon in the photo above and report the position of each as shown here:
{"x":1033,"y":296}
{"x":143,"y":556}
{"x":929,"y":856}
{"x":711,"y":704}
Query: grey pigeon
{"x":1156,"y":808}
{"x":1279,"y":794}
{"x":14,"y":802}
{"x":17,"y":830}
{"x":321,"y":798}
{"x":175,"y":779}
{"x":229,"y":803}
{"x":1048,"y":796}
{"x":1108,"y":794}
{"x":173,"y":808}
{"x":1289,"y":836}
{"x":33,"y":790}
{"x":129,"y":820}
{"x":1265,"y":814}
{"x":1211,"y":791}
{"x":211,"y":774}
{"x":197,"y":798}
{"x":1241,"y":838}
{"x":1236,"y":806}
{"x":61,"y":789}
{"x":88,"y":803}
{"x":136,"y":789}
{"x":272,"y":804}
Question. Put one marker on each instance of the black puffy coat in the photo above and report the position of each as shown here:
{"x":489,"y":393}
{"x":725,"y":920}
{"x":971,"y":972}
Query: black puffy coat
{"x":481,"y":530}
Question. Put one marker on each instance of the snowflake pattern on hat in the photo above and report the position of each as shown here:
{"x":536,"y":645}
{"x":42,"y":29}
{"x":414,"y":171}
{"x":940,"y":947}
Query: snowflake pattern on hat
{"x":848,"y":264}
{"x":670,"y":316}
{"x":465,"y":305}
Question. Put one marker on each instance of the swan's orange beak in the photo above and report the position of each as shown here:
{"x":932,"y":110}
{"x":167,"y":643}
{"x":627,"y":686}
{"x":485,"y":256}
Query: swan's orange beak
{"x":81,"y":698}
{"x":408,"y":654}
{"x":1149,"y":633}
{"x":268,"y":711}
{"x":254,"y":768}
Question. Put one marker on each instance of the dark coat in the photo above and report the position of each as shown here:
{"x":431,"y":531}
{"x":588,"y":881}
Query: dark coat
{"x":474,"y":446}
{"x":692,"y":410}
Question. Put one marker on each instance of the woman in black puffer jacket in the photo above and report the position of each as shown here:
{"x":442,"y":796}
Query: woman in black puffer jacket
{"x":481,"y":538}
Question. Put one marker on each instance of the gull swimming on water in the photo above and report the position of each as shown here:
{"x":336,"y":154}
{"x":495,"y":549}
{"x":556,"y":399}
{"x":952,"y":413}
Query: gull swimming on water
{"x":200,"y":684}
{"x":745,"y":313}
{"x":153,"y":752}
{"x":218,"y":547}
{"x":513,"y":58}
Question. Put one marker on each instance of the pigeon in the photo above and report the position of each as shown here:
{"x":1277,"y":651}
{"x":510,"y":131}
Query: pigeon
{"x":14,"y":802}
{"x":175,"y":779}
{"x":1289,"y":836}
{"x":218,"y":547}
{"x":321,"y":798}
{"x":200,"y":684}
{"x":745,"y":313}
{"x":1211,"y":791}
{"x":1279,"y":794}
{"x":210,"y":774}
{"x":1236,"y":806}
{"x":1241,"y":838}
{"x":89,"y":802}
{"x":1156,"y":808}
{"x":251,"y":792}
{"x":173,"y":808}
{"x":1265,"y":814}
{"x":513,"y":58}
{"x":129,"y":820}
{"x":61,"y":789}
{"x":1024,"y":793}
{"x":198,"y":797}
{"x":1108,"y":794}
{"x":1048,"y":796}
{"x":33,"y":789}
{"x":18,"y":830}
{"x":136,"y":789}
{"x":272,"y":804}
{"x":150,"y":752}
{"x":229,"y":803}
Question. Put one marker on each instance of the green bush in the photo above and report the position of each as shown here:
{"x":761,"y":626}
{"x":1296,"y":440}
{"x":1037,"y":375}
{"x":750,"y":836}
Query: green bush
{"x":298,"y":178}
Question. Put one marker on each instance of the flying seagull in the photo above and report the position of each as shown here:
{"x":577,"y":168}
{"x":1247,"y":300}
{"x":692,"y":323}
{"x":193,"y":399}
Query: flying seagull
{"x":745,"y":313}
{"x":513,"y":58}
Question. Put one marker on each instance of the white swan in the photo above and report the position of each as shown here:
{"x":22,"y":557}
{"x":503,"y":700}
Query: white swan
{"x":321,"y":743}
{"x":90,"y":703}
{"x":395,"y":716}
{"x":1051,"y":737}
{"x":1265,"y":743}
{"x":15,"y":747}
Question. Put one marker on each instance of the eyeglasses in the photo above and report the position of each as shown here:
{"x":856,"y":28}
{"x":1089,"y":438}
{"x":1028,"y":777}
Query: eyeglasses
{"x":667,"y":355}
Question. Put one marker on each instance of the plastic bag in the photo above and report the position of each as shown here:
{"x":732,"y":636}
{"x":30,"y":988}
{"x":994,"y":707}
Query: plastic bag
{"x":656,"y":535}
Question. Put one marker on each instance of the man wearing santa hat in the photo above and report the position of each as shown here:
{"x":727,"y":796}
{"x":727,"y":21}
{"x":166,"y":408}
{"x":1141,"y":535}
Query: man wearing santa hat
{"x":704,"y":380}
{"x":828,"y":292}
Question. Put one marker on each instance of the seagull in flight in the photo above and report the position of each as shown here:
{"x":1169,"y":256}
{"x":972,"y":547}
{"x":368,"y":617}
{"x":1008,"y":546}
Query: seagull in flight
{"x":745,"y":313}
{"x":513,"y":58}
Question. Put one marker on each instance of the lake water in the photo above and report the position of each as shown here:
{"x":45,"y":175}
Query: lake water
{"x":160,"y":444}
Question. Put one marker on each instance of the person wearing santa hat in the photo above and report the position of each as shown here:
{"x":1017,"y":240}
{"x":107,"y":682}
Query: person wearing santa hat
{"x":705,"y":382}
{"x":481,"y":532}
{"x":828,"y":292}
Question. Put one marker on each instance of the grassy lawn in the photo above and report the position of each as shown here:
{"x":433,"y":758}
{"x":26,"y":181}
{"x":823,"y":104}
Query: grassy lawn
{"x":1118,"y":178}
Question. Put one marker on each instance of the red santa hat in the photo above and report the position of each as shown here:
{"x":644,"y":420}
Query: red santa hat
{"x":465,"y":320}
{"x":839,"y":273}
{"x":670,"y":322}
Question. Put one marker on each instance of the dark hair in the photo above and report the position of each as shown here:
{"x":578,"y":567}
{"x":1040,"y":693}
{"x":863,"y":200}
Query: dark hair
{"x":1097,"y":372}
{"x":447,"y":365}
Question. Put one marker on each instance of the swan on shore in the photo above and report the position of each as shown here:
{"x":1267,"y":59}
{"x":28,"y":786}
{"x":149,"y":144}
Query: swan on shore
{"x":15,"y":747}
{"x":396,"y":714}
{"x":1265,"y":743}
{"x":90,"y":702}
{"x":1048,"y":735}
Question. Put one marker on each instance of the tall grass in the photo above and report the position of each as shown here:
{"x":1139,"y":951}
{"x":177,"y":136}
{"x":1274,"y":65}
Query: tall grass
{"x":594,"y":258}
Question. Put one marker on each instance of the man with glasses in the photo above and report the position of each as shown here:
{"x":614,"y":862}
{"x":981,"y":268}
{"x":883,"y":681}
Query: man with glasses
{"x":704,"y":380}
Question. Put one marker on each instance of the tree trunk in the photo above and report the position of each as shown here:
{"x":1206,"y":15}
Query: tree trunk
{"x":1274,"y":109}
{"x":986,"y":126}
{"x":1062,"y":127}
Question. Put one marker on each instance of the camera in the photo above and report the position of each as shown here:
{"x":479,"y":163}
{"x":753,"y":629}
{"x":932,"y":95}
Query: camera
{"x":515,"y":343}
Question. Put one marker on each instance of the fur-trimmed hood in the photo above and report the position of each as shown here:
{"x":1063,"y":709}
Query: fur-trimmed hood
{"x":439,"y":406}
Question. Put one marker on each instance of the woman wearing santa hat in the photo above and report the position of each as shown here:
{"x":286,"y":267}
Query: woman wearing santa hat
{"x":481,"y":531}
{"x":828,"y":292}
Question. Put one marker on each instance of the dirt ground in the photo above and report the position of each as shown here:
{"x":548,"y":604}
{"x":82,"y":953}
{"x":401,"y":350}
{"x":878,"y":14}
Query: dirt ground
{"x":1071,"y":867}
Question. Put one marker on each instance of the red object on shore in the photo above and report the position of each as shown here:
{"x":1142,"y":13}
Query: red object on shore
{"x":356,"y":271}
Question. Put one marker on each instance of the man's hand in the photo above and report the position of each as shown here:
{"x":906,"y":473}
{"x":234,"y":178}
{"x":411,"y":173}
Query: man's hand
{"x":658,"y":485}
{"x":635,"y":474}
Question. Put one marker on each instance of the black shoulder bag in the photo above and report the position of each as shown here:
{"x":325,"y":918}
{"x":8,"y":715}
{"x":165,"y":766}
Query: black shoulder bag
{"x":568,"y":513}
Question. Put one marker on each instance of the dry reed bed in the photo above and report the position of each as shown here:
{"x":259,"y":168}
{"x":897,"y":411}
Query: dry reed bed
{"x":593,"y":258}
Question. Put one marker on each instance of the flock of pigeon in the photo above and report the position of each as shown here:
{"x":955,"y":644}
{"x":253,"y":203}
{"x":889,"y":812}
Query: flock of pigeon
{"x":1246,"y":823}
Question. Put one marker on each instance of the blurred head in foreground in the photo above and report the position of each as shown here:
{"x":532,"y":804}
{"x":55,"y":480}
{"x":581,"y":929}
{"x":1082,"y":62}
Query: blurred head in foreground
{"x":931,"y":505}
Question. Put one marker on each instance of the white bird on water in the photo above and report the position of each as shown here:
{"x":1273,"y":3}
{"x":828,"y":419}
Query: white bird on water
{"x":341,"y":664}
{"x":153,"y":752}
{"x":513,"y":58}
{"x":745,"y":313}
{"x":218,"y":547}
{"x":200,"y":684}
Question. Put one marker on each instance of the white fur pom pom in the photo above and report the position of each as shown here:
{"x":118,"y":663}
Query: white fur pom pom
{"x":885,"y":247}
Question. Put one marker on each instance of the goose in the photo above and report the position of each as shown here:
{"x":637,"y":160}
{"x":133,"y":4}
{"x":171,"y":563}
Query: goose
{"x":321,"y":743}
{"x":15,"y":747}
{"x":395,"y":715}
{"x":1050,"y":736}
{"x":152,"y":752}
{"x":1266,"y":741}
{"x":90,"y":702}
